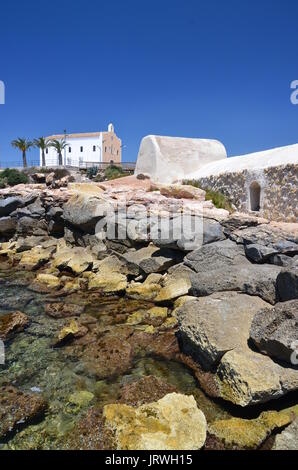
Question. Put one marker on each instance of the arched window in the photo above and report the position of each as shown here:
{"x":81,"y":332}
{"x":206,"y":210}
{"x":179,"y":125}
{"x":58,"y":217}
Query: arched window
{"x":255,"y":196}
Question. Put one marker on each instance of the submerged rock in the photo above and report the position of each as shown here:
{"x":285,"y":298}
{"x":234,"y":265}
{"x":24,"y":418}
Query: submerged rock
{"x":18,"y":409}
{"x":172,"y":423}
{"x":145,"y":390}
{"x":275,"y":331}
{"x":12,"y":323}
{"x":63,"y":310}
{"x":245,"y":434}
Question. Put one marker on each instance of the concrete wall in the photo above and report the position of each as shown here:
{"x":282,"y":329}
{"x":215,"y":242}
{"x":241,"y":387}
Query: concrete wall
{"x":168,"y":159}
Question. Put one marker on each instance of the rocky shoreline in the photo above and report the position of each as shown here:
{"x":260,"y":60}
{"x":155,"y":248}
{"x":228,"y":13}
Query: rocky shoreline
{"x":221,"y":301}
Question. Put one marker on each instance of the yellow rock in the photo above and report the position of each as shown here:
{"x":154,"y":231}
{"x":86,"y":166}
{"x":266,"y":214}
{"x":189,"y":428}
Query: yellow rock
{"x":173,"y":287}
{"x":157,"y":312}
{"x":72,"y":329}
{"x":237,"y":433}
{"x":146,"y":291}
{"x":172,"y":423}
{"x":108,"y":282}
{"x":48,"y":279}
{"x":36,"y":257}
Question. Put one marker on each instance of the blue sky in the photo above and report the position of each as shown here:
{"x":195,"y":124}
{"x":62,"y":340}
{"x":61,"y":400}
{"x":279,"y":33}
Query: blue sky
{"x":213,"y":69}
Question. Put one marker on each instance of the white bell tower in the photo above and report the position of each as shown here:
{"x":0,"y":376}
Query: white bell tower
{"x":110,"y":127}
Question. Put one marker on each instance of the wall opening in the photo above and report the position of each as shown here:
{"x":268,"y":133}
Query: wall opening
{"x":255,"y":196}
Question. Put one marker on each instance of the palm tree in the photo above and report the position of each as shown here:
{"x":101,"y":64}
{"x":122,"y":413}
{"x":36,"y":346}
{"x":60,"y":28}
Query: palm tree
{"x":42,"y":144}
{"x":23,"y":145}
{"x":59,"y":146}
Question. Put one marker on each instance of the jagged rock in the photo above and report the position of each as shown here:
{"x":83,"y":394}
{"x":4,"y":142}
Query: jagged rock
{"x":18,"y":409}
{"x":172,"y":423}
{"x":210,"y":326}
{"x":180,"y":191}
{"x":63,"y":310}
{"x":9,"y":204}
{"x":31,"y":226}
{"x":245,"y":377}
{"x":48,"y":281}
{"x":75,"y":259}
{"x":288,"y":439}
{"x":71,"y":331}
{"x":145,"y":390}
{"x":108,"y":282}
{"x":8,"y":226}
{"x":259,"y":253}
{"x":12,"y":323}
{"x":270,"y":236}
{"x":287,"y":284}
{"x":143,"y":291}
{"x":84,"y":210}
{"x":238,"y":220}
{"x":223,"y":266}
{"x":173,"y":286}
{"x":275,"y":331}
{"x":245,"y":434}
{"x":151,"y":259}
{"x":36,"y":257}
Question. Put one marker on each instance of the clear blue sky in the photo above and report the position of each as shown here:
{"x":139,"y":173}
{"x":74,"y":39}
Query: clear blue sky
{"x":214,"y":68}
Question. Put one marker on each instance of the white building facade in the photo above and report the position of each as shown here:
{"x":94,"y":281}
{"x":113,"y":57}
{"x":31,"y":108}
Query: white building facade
{"x":85,"y":149}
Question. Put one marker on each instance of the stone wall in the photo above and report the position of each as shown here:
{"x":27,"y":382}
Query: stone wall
{"x":278,"y":195}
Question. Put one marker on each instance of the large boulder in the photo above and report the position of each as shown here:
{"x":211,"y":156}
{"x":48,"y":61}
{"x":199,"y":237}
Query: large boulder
{"x":151,"y":259}
{"x":76,"y":260}
{"x":245,"y":377}
{"x":287,"y":283}
{"x":210,"y":326}
{"x":223,"y":266}
{"x":172,"y":423}
{"x":275,"y":330}
{"x":8,"y":226}
{"x":85,"y":209}
{"x":9,"y":204}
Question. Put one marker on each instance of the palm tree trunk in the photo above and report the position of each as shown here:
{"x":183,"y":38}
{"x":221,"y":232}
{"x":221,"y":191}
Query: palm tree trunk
{"x":24,"y":159}
{"x":60,"y":159}
{"x":43,"y":158}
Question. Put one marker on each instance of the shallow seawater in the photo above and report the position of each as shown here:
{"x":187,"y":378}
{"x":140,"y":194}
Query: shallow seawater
{"x":33,"y":364}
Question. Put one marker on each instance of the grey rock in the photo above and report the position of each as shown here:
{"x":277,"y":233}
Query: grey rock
{"x":287,"y":284}
{"x":223,"y":266}
{"x":287,"y":439}
{"x":8,"y":205}
{"x":272,"y":237}
{"x":275,"y":331}
{"x":7,"y":226}
{"x":210,"y":326}
{"x":213,"y":231}
{"x":151,"y":259}
{"x":283,"y":260}
{"x":259,"y":253}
